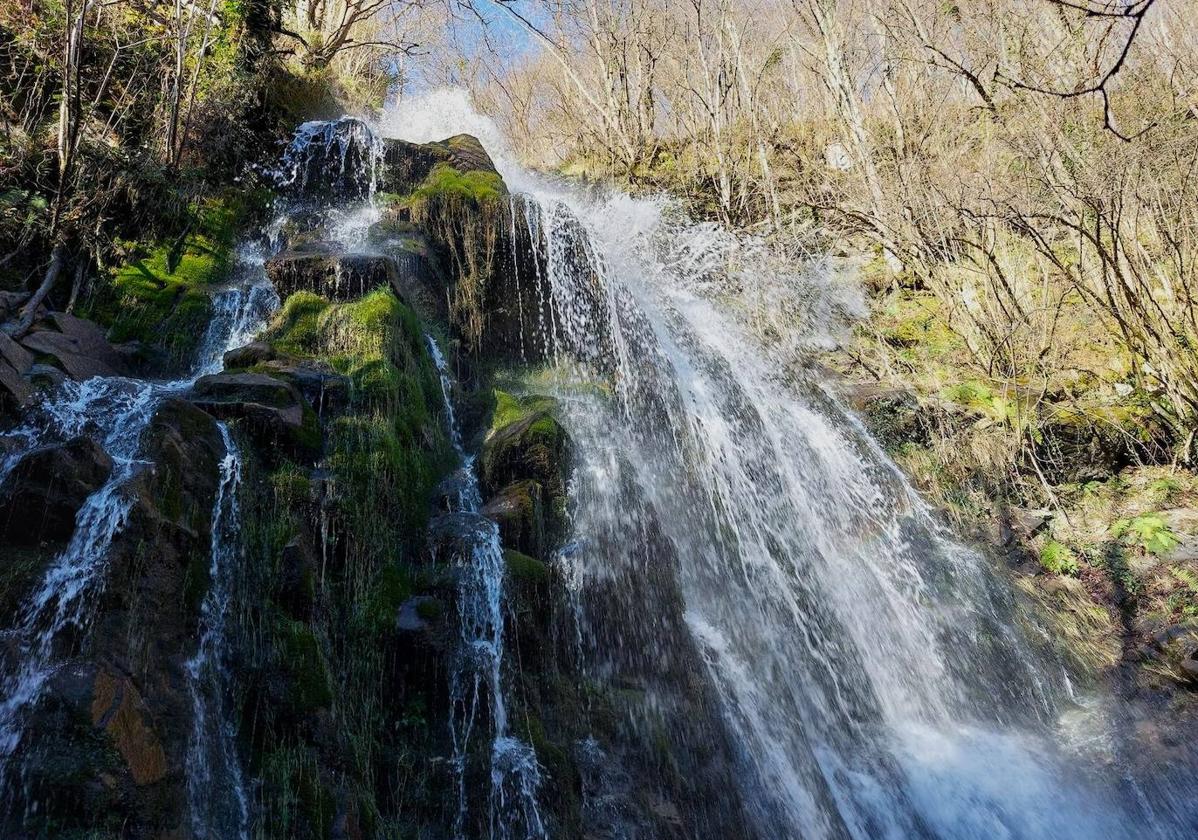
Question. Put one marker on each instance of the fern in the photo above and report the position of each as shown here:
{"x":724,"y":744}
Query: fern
{"x":1150,"y":532}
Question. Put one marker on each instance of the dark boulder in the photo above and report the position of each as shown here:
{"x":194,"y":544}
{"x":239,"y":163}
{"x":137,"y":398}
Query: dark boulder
{"x":455,"y":538}
{"x":254,"y":353}
{"x":331,"y":161}
{"x":274,"y":412}
{"x":11,"y":303}
{"x":519,"y":510}
{"x":330,"y":274}
{"x":46,"y":488}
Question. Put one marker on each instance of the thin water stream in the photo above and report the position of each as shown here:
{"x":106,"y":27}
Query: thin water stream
{"x":478,"y":675}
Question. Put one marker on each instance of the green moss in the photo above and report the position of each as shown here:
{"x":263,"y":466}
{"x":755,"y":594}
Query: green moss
{"x":511,"y":409}
{"x":161,"y":296}
{"x":391,"y":587}
{"x":291,"y":484}
{"x":298,"y":803}
{"x":981,"y":398}
{"x":296,"y":330}
{"x":445,"y":181}
{"x":521,"y":567}
{"x":389,"y":451}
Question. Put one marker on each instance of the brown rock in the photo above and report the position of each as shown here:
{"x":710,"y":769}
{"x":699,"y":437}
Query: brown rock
{"x":14,"y":354}
{"x":79,"y":346}
{"x":15,"y":392}
{"x":254,"y":353}
{"x":118,"y":710}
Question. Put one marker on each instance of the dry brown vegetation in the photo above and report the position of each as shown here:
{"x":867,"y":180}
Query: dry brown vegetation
{"x":1013,"y":157}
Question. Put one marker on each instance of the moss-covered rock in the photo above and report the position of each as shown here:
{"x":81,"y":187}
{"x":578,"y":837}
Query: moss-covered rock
{"x":161,"y":295}
{"x":526,"y":443}
{"x":408,"y":166}
{"x":337,"y":558}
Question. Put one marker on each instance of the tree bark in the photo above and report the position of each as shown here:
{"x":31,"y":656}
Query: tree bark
{"x":18,"y":328}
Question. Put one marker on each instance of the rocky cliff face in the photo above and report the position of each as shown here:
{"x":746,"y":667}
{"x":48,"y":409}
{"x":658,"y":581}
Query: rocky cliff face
{"x":345,"y":610}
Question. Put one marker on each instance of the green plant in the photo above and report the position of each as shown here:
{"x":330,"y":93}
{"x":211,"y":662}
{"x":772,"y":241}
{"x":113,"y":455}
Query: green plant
{"x":1149,"y":531}
{"x":1058,"y":559}
{"x":1165,"y":489}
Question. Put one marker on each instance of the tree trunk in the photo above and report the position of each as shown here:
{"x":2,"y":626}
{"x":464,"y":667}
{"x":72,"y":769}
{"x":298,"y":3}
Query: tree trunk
{"x":18,"y":328}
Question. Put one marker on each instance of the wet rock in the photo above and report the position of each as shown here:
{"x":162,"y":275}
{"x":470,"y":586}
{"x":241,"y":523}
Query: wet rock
{"x":519,"y":510}
{"x":454,"y":537}
{"x":104,"y":749}
{"x":535,"y":447}
{"x":274,"y":412}
{"x":893,"y":415}
{"x":78,"y":346}
{"x":254,"y":353}
{"x":331,"y":161}
{"x":69,"y":768}
{"x":332,"y":275}
{"x":418,"y":279}
{"x":326,"y":390}
{"x":406,"y":165}
{"x":46,"y":488}
{"x":117,"y":708}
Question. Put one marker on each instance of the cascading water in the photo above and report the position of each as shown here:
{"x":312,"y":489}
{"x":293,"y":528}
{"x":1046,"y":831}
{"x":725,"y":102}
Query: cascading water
{"x":867,"y":669}
{"x":331,"y":160}
{"x":515,"y":775}
{"x":218,"y":811}
{"x":115,"y":411}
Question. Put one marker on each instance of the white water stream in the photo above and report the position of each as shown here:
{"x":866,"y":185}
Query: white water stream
{"x":478,"y":673}
{"x":871,"y":672}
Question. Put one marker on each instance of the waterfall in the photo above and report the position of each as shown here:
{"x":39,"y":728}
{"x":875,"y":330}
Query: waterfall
{"x":216,"y":792}
{"x":331,"y":160}
{"x":478,"y":672}
{"x":870,"y":673}
{"x":115,"y":412}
